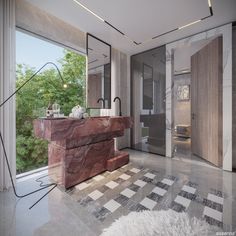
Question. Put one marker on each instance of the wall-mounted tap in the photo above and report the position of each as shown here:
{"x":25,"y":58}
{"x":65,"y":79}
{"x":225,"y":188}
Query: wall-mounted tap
{"x":103,"y":102}
{"x":117,"y":98}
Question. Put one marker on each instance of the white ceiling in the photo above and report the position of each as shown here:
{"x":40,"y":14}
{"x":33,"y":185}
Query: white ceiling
{"x":140,"y":20}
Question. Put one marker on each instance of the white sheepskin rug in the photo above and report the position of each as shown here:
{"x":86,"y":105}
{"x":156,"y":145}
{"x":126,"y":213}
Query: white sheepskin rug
{"x":163,"y":223}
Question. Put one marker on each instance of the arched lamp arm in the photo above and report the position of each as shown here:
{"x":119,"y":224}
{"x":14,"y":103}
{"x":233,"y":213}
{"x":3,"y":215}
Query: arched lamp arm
{"x":53,"y":185}
{"x":28,"y":80}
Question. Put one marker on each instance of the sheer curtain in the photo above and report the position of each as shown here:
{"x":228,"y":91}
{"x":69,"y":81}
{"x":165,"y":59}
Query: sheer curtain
{"x":7,"y":86}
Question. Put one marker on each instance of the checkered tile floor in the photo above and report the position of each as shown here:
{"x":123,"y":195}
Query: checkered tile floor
{"x":137,"y":188}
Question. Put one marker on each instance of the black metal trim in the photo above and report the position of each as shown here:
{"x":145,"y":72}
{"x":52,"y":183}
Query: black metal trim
{"x":98,"y":66}
{"x":114,"y":27}
{"x":88,"y":34}
{"x":185,"y":37}
{"x":170,"y":31}
{"x":211,"y":11}
{"x":93,"y":61}
{"x":157,"y":36}
{"x":136,"y":43}
{"x":204,"y":18}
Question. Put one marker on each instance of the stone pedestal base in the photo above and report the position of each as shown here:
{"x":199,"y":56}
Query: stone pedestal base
{"x":120,"y":159}
{"x":81,"y":148}
{"x":68,"y":167}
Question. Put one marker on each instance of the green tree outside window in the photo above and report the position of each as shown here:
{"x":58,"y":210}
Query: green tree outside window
{"x":34,"y":98}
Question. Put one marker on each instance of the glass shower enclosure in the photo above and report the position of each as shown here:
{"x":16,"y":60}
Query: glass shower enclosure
{"x":148,"y":91}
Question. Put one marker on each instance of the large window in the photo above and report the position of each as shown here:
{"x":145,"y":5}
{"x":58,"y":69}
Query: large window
{"x":45,"y":89}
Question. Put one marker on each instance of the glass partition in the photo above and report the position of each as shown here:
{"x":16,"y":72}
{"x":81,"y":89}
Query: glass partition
{"x":148,"y":82}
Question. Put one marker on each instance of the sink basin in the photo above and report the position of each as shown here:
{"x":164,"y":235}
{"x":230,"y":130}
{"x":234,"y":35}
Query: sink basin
{"x":99,"y":117}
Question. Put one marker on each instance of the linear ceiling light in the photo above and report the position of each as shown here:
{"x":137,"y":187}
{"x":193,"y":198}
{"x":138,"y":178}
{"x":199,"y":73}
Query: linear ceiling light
{"x":100,"y":18}
{"x":138,"y":43}
{"x":209,"y":3}
{"x":192,"y":23}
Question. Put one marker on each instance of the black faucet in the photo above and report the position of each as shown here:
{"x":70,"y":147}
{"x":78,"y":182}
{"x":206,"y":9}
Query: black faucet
{"x":103,"y":102}
{"x":117,"y":98}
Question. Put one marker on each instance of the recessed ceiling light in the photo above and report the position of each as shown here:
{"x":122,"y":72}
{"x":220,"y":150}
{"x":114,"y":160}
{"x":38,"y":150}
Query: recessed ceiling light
{"x":192,"y":23}
{"x":88,"y":10}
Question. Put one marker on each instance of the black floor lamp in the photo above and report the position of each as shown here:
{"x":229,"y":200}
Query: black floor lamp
{"x":53,"y":185}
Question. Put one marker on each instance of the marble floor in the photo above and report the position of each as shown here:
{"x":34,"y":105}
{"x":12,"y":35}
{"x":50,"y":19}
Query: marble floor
{"x":182,"y":152}
{"x":148,"y":182}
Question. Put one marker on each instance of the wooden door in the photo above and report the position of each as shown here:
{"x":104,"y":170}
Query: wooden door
{"x":206,"y":102}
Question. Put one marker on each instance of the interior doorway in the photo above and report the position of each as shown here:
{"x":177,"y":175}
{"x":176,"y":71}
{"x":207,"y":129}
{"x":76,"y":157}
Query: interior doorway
{"x":197,"y":101}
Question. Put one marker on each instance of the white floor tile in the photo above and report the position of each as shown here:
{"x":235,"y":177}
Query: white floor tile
{"x":124,"y":176}
{"x":124,"y":166}
{"x":217,"y":215}
{"x":150,"y":175}
{"x":112,"y":205}
{"x":183,"y":201}
{"x":112,"y":184}
{"x":189,"y":189}
{"x":148,"y":203}
{"x":95,"y":195}
{"x":215,"y":198}
{"x":167,"y":181}
{"x":127,"y":192}
{"x":135,"y":170}
{"x":82,"y":186}
{"x":159,"y":191}
{"x":98,"y":177}
{"x":140,"y":183}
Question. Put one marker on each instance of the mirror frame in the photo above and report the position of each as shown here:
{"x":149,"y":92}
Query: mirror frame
{"x":87,"y":36}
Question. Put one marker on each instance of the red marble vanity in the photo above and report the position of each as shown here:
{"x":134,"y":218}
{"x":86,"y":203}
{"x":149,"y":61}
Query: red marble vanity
{"x":81,"y":148}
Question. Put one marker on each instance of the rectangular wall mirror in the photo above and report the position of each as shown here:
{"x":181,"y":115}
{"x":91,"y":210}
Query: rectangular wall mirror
{"x":99,"y":73}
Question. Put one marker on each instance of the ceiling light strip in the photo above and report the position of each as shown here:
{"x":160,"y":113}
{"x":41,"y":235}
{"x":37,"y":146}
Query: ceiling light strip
{"x":182,"y":27}
{"x":192,"y":23}
{"x":209,"y":3}
{"x":165,"y":33}
{"x":100,"y":18}
{"x":210,"y":7}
